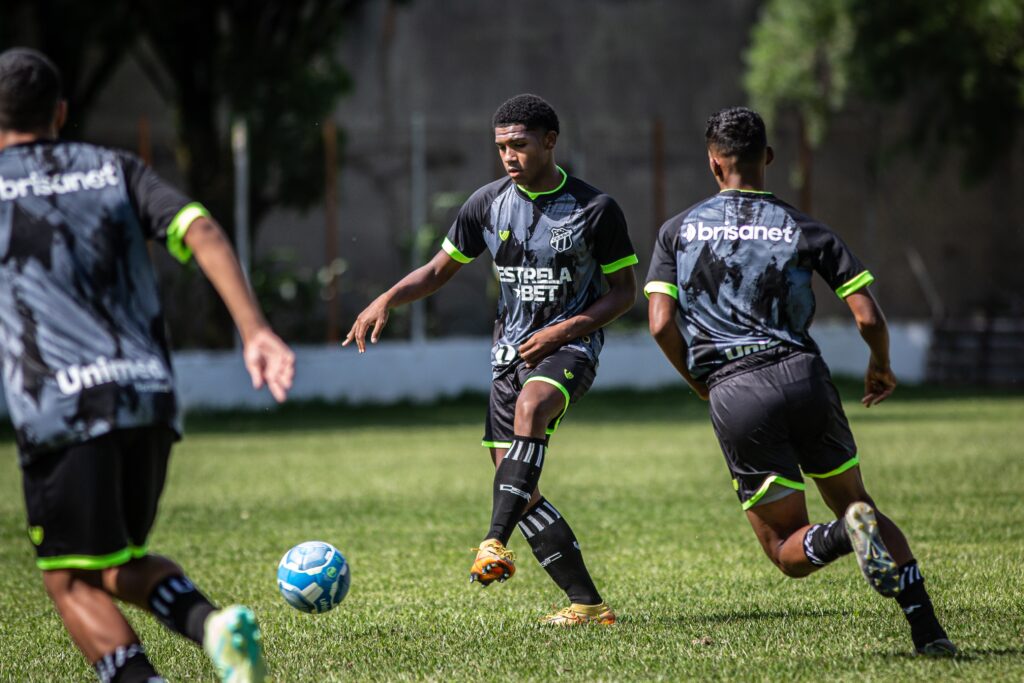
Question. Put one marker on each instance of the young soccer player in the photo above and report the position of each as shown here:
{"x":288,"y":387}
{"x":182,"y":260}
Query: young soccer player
{"x":564,"y":262}
{"x":88,"y":375}
{"x":736,"y":268}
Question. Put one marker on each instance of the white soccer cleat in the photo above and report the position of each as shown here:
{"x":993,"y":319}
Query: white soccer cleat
{"x":233,"y":642}
{"x":877,"y":565}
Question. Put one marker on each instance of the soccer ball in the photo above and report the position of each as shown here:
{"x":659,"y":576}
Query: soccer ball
{"x":313,"y":577}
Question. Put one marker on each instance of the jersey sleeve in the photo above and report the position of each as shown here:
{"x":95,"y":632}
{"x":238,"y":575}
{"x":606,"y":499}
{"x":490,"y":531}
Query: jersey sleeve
{"x":163,"y":211}
{"x":612,"y":246}
{"x":465,"y":240}
{"x":662,"y":277}
{"x":834,"y":261}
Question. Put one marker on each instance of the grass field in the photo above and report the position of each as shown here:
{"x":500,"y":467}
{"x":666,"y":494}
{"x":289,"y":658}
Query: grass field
{"x":405,"y":492}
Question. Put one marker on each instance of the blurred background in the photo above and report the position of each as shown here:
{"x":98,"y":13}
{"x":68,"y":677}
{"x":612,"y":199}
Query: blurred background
{"x":335,"y":140}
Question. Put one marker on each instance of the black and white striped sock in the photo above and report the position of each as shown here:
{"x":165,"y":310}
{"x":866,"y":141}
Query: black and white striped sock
{"x":179,"y":606}
{"x":127,"y":664}
{"x":514,"y":483}
{"x":917,"y":607}
{"x":556,"y":548}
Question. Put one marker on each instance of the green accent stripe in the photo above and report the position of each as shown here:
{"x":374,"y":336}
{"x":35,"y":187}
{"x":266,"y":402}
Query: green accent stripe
{"x":630,"y":260}
{"x":496,"y":444}
{"x":750,"y":502}
{"x":736,"y":189}
{"x":661,"y":288}
{"x":92,"y":561}
{"x":534,"y":195}
{"x":859,"y":282}
{"x":454,"y":252}
{"x":565,"y":393}
{"x":852,"y":462}
{"x":179,"y":226}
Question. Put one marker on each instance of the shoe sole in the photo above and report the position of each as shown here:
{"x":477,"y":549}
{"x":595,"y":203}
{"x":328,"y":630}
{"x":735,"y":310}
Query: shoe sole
{"x":495,"y":570}
{"x":568,"y":623}
{"x":875,"y":562}
{"x":242,"y":635}
{"x":943,"y":647}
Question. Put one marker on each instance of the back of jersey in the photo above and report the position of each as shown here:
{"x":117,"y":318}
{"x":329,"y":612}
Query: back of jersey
{"x":82,"y":334}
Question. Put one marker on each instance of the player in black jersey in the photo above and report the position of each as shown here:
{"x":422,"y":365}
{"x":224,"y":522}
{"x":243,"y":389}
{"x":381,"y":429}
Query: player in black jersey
{"x":564,"y":263}
{"x":736,"y":268}
{"x":88,"y":377}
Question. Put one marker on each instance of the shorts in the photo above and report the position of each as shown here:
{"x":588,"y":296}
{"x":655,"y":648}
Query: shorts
{"x":571,"y":371}
{"x":92,"y":505}
{"x":775,"y":421}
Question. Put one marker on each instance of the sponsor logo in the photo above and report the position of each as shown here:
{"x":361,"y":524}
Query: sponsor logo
{"x":61,"y":183}
{"x":568,"y":375}
{"x":332,"y":572}
{"x":534,"y":284}
{"x":514,"y":491}
{"x":737,"y":352}
{"x":561,"y":239}
{"x":702,"y":232}
{"x":74,"y":378}
{"x":503,"y":234}
{"x":548,"y":560}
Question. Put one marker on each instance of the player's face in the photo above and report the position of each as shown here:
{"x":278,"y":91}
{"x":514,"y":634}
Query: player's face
{"x":525,"y":154}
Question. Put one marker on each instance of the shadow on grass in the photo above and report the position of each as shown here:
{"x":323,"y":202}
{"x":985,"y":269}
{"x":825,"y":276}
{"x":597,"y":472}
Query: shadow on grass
{"x":749,"y":615}
{"x":967,"y":656}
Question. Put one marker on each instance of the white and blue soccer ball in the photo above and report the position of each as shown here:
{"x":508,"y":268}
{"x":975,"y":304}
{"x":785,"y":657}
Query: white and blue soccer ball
{"x":313,"y":577}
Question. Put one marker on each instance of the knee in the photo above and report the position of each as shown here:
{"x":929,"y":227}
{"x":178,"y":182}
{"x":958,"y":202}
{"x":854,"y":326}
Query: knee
{"x":533,"y":410}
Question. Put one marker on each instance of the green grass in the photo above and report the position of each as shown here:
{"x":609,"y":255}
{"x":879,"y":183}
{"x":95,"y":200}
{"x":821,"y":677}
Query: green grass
{"x":405,"y":492}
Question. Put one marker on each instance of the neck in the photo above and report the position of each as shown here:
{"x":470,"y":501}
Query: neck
{"x":549,"y":180}
{"x":735,"y":180}
{"x":13,"y":137}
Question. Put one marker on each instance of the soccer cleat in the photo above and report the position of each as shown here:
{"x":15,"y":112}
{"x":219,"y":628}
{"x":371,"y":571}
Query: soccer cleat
{"x":942,"y":647}
{"x":494,"y":562}
{"x":232,"y":641}
{"x":874,"y":559}
{"x":578,"y":615}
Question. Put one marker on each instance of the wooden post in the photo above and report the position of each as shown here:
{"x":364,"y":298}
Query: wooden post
{"x":330,"y":133}
{"x":658,"y":171}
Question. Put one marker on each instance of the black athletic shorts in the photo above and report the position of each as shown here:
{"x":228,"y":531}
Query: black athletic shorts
{"x":91,"y":505}
{"x":572,"y":372}
{"x":775,"y":420}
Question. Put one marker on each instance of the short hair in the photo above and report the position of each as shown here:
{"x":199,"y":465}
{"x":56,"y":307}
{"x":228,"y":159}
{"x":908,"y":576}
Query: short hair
{"x":737,"y":132}
{"x":531,"y":111}
{"x":30,"y":88}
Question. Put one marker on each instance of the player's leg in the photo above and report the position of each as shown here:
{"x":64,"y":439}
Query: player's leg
{"x":845,"y":494}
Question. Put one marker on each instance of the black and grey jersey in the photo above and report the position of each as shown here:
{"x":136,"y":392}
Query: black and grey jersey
{"x":740,"y":265}
{"x":82,"y":333}
{"x":551,"y":251}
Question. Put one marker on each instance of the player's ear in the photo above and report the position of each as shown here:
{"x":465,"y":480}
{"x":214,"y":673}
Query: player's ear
{"x":716,"y":168}
{"x":769,"y":155}
{"x":550,"y":138}
{"x":60,"y":116}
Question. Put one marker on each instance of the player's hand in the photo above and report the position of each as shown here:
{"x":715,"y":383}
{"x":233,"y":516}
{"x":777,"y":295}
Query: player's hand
{"x":700,"y":388}
{"x":374,"y":317}
{"x":540,"y":346}
{"x":269,"y":361}
{"x":879,"y":383}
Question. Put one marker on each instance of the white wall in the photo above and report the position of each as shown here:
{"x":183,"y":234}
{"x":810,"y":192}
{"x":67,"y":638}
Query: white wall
{"x":403,"y":371}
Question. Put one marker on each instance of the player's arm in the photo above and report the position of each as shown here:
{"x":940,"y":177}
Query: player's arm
{"x":418,"y":284}
{"x":267,"y":358}
{"x":661,"y":314}
{"x":879,"y":380}
{"x":617,"y":300}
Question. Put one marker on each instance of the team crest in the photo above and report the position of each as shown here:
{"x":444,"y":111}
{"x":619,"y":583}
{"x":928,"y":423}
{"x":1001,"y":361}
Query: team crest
{"x":561,"y":239}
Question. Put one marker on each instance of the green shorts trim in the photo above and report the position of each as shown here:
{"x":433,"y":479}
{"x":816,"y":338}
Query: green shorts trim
{"x":565,"y":393}
{"x":179,"y":226}
{"x":852,"y":462}
{"x":92,"y":561}
{"x":854,"y":284}
{"x":774,"y":479}
{"x":454,"y":252}
{"x":496,"y":444}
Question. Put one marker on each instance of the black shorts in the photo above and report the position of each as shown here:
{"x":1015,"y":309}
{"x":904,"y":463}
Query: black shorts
{"x":572,"y":372}
{"x":91,"y":505}
{"x":777,"y":420}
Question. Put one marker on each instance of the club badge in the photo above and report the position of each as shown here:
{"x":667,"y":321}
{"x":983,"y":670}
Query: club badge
{"x":561,"y":239}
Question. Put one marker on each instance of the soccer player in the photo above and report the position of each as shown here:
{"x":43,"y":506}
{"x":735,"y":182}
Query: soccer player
{"x":564,"y":262}
{"x":88,"y":375}
{"x":736,"y":268}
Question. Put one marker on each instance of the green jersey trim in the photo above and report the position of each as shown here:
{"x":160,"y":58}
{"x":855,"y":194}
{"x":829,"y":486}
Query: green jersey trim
{"x":851,"y":286}
{"x":496,"y":444}
{"x":454,"y":252}
{"x":630,"y":260}
{"x":774,"y":479}
{"x":92,"y":561}
{"x":736,"y":189}
{"x":534,"y":195}
{"x":852,"y":462}
{"x":179,"y":226}
{"x":656,"y":286}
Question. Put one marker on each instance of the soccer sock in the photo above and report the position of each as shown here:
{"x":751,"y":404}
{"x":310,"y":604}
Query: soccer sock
{"x":556,"y":548}
{"x":181,"y":607}
{"x":127,"y":664}
{"x":917,"y":606}
{"x":824,"y":543}
{"x":514,"y":483}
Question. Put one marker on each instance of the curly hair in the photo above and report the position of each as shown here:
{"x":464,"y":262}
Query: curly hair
{"x":29,"y":90}
{"x":531,"y":111}
{"x":737,"y":132}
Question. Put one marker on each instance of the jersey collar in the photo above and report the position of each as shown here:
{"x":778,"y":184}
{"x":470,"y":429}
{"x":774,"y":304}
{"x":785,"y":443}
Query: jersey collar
{"x":533,"y":195}
{"x":736,"y":189}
